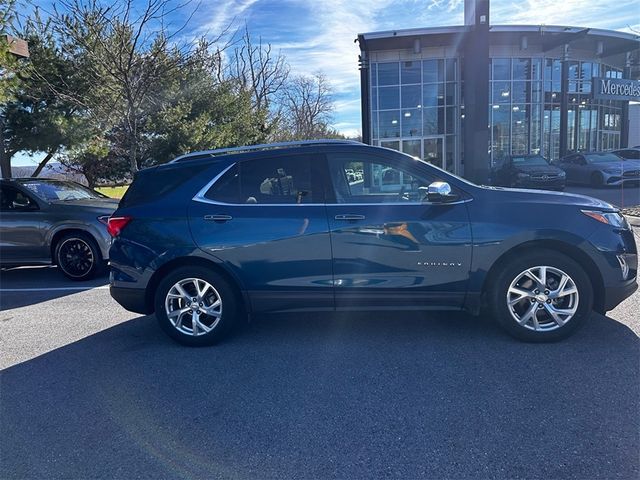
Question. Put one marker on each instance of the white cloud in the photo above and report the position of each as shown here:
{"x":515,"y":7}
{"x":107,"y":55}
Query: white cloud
{"x":225,"y":13}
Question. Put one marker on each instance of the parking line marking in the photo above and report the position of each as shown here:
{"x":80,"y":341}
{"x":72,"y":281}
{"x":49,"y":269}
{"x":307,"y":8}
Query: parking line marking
{"x":56,"y":289}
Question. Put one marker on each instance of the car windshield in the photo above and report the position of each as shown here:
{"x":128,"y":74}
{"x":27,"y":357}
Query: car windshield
{"x":602,"y":158}
{"x":52,"y":190}
{"x":529,"y":160}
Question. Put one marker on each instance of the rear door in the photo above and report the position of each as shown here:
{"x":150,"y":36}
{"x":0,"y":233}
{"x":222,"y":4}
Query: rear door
{"x":390,"y":248}
{"x":265,"y":219}
{"x":22,"y":234}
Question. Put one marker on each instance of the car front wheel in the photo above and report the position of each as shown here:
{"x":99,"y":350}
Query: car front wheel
{"x":195,"y":306}
{"x":78,"y":256}
{"x":542,"y":296}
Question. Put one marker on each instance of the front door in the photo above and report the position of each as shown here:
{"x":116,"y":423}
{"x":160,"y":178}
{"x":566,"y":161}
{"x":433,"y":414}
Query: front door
{"x":390,"y":247}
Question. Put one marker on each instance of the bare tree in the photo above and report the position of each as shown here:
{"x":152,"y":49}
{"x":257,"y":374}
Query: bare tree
{"x":259,"y":71}
{"x":307,"y":107}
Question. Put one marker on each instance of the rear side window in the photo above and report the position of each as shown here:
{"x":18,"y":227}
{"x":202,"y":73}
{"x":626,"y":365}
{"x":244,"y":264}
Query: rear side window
{"x":152,"y":184}
{"x":283,"y":180}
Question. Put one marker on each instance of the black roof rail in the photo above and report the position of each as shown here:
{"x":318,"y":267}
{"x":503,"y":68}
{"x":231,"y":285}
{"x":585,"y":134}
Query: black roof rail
{"x":263,"y":146}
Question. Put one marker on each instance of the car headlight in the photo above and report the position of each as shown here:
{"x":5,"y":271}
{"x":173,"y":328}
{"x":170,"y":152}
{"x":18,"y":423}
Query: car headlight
{"x":613,"y":171}
{"x":523,"y":175}
{"x":562,"y":174}
{"x":615,"y":219}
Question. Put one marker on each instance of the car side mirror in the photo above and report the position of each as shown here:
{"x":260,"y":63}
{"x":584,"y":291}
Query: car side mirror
{"x":440,"y":192}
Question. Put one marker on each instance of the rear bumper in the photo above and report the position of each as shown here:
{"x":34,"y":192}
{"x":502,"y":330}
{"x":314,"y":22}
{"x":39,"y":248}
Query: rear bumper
{"x":132,"y":299}
{"x":613,"y":296}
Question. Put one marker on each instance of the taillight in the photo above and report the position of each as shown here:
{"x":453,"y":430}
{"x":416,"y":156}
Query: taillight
{"x":117,"y":224}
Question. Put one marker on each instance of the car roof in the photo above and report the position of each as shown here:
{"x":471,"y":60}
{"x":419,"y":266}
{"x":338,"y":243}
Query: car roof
{"x":200,"y":158}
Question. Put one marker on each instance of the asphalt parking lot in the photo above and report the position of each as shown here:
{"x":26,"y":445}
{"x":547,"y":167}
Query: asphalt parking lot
{"x":89,"y":390}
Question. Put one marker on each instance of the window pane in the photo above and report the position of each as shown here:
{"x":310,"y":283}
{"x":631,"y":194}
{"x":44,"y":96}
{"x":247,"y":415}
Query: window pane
{"x":501,"y":92}
{"x":450,"y":65}
{"x":433,"y":95}
{"x":388,"y":73}
{"x":410,"y":72}
{"x":412,"y":147}
{"x":374,"y":74}
{"x":519,"y":130}
{"x":412,"y":123}
{"x":364,"y":180}
{"x":500,"y":126}
{"x":389,"y":124}
{"x":519,"y":92}
{"x":276,"y":180}
{"x":433,"y":120}
{"x":433,"y":151}
{"x":501,"y":68}
{"x":227,"y":188}
{"x":388,"y":98}
{"x":521,"y":69}
{"x":450,"y":127}
{"x":432,"y":71}
{"x":450,"y":96}
{"x":374,"y":99}
{"x":412,"y":96}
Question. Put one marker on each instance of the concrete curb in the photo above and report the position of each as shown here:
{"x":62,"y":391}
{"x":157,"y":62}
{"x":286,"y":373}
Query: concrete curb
{"x":633,"y":220}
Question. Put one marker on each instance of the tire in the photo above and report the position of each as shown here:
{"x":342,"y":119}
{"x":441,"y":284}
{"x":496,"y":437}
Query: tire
{"x":78,"y":257}
{"x":541,"y":326}
{"x":597,"y":180}
{"x":213,"y":326}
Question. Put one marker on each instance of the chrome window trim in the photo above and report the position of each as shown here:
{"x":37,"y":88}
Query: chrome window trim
{"x":200,"y":197}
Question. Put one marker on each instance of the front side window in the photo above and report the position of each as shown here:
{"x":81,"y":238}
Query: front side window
{"x":13,"y":200}
{"x":359,"y":179}
{"x":282,"y":180}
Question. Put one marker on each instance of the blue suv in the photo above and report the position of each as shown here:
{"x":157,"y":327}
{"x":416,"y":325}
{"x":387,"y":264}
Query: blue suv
{"x":215,"y":236}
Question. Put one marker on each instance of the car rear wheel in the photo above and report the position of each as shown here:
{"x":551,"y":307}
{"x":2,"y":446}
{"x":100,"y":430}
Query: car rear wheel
{"x":542,"y":296}
{"x":195,"y":306}
{"x":78,"y":257}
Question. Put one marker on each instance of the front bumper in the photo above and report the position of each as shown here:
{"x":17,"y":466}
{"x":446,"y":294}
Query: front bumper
{"x":614,"y":296}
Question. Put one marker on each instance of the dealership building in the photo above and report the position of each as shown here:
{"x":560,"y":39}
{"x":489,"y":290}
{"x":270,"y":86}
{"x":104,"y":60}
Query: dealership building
{"x":464,"y":97}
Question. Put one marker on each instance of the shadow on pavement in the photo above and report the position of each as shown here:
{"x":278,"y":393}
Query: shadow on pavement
{"x":328,"y":396}
{"x":24,"y":286}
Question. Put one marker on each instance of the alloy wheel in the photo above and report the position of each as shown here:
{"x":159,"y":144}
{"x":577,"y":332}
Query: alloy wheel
{"x":193,"y":306}
{"x":542,"y":298}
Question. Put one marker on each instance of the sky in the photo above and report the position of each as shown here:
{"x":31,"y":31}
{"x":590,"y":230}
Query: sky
{"x":319,"y":35}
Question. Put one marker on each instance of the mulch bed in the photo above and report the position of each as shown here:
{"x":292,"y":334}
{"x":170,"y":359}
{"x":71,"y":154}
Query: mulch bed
{"x":632,"y":211}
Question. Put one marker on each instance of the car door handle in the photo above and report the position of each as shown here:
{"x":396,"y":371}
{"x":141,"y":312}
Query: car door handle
{"x":218,"y":218}
{"x":350,"y":217}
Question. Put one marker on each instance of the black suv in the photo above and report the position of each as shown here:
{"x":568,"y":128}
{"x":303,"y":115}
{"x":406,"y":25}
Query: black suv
{"x":213,"y":236}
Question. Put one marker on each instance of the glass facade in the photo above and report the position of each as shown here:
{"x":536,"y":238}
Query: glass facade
{"x":417,"y":108}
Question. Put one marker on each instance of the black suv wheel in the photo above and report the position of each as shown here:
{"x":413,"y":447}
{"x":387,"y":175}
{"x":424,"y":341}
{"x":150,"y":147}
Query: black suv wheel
{"x":541,"y":296}
{"x":78,"y":257}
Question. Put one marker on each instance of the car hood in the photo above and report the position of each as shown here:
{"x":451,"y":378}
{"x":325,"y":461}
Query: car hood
{"x":106,"y":204}
{"x":550,"y":198}
{"x":542,"y":169}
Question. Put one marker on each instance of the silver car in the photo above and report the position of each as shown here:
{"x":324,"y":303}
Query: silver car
{"x":45,"y":221}
{"x":599,"y":169}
